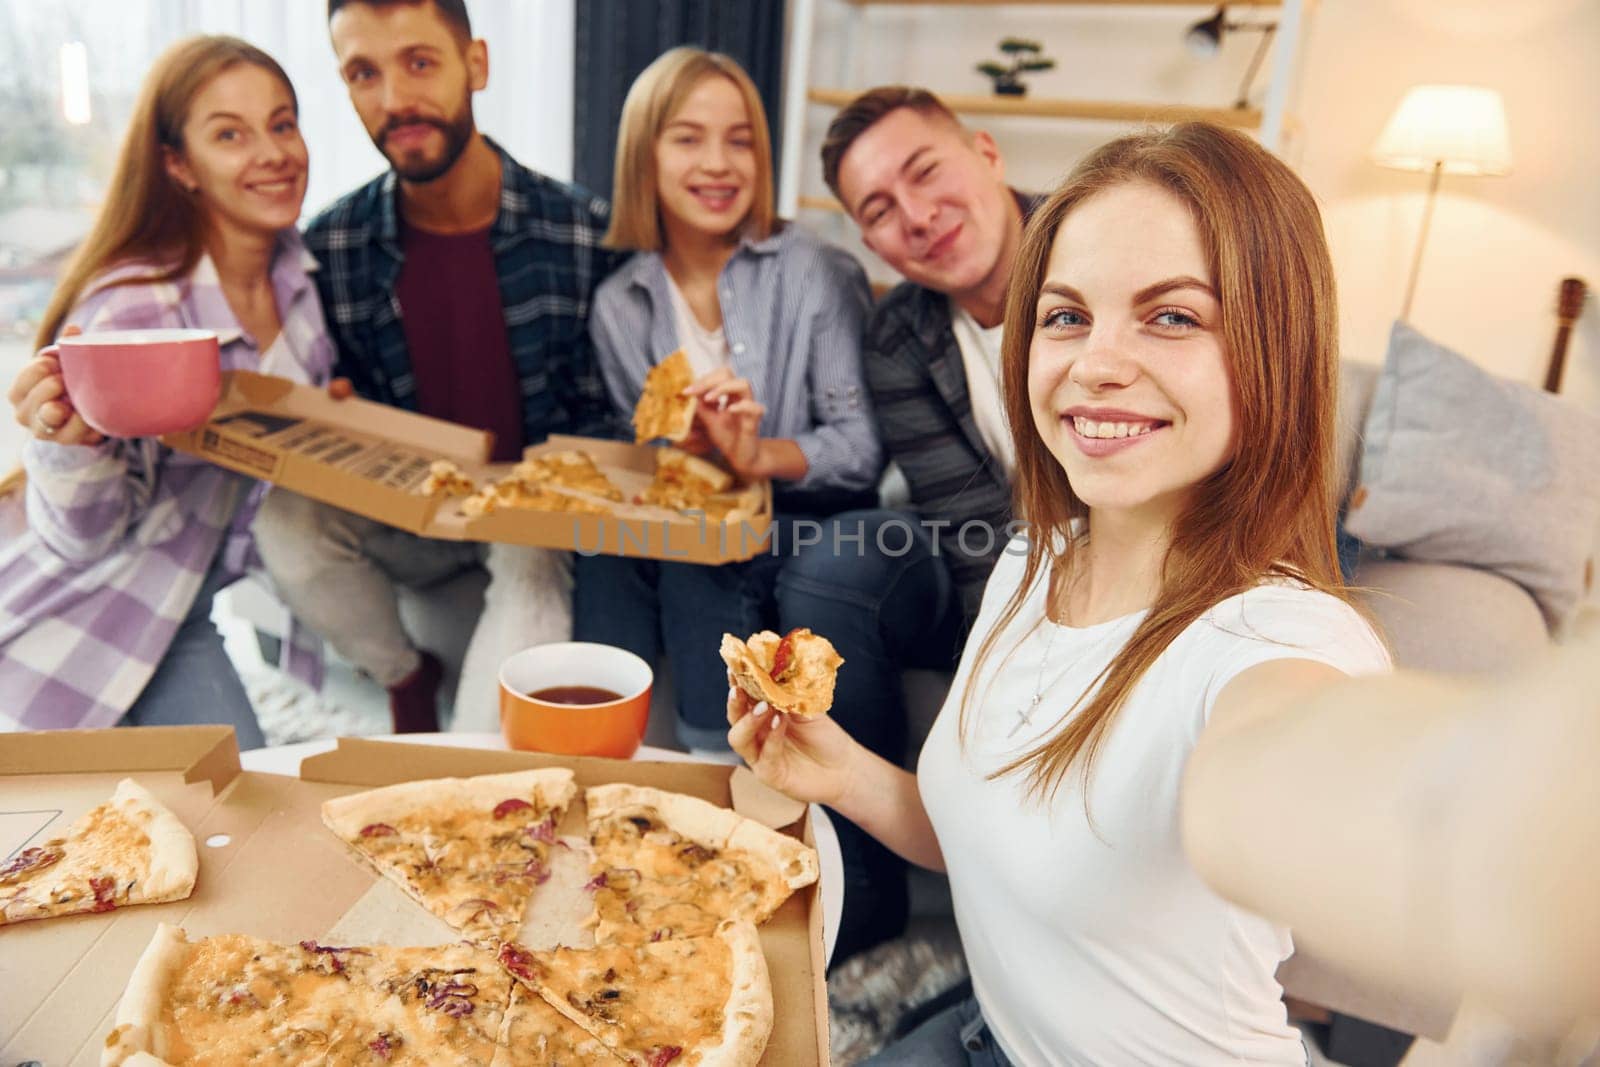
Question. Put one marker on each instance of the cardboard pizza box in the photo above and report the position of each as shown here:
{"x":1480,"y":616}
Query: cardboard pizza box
{"x":269,"y":868}
{"x":372,"y":459}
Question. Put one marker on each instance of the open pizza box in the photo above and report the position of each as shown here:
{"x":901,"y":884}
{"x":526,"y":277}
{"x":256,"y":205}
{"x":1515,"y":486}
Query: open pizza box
{"x":269,"y":868}
{"x":372,"y":459}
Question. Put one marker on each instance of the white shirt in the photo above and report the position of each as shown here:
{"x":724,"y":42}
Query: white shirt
{"x":1095,"y":946}
{"x":707,"y":349}
{"x":980,"y":355}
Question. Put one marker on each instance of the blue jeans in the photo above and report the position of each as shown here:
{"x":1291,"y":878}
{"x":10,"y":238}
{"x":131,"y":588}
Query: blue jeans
{"x":652,"y":606}
{"x":886,"y":602}
{"x":195,"y":682}
{"x":956,"y":1037}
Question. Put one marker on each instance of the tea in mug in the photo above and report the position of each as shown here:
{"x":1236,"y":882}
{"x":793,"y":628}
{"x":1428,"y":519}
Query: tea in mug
{"x":575,"y":694}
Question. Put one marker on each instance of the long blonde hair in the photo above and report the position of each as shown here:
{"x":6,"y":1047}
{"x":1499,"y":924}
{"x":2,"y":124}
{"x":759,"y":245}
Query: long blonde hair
{"x":655,"y":96}
{"x":1270,"y":510}
{"x":146,"y":216}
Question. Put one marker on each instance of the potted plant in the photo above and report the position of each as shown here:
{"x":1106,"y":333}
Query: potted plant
{"x":1025,"y":58}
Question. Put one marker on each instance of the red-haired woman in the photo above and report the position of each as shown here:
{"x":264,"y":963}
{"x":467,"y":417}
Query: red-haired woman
{"x":1169,"y":374}
{"x":105,"y":602}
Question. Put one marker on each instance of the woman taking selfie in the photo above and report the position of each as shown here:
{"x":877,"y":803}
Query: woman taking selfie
{"x":105,"y":602}
{"x":1169,"y":372}
{"x":770,"y":318}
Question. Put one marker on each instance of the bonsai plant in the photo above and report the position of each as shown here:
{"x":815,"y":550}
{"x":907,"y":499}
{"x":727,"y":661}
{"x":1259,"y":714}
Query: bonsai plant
{"x":1024,"y":59}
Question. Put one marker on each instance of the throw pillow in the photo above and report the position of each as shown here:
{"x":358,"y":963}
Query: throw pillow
{"x":1459,"y":466}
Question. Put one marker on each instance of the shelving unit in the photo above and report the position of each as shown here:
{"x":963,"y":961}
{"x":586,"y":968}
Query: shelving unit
{"x":1272,"y":122}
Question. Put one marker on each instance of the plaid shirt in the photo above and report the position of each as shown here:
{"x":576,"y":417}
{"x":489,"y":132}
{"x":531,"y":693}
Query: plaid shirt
{"x":919,"y":391}
{"x":546,"y":240}
{"x":121,"y":535}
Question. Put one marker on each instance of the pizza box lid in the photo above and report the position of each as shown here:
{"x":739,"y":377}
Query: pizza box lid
{"x":372,"y":459}
{"x":270,"y":869}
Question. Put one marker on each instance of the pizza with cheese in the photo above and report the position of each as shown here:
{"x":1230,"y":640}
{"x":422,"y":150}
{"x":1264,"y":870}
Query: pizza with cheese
{"x":534,"y":1034}
{"x":446,"y":479}
{"x":470,"y":850}
{"x":691,"y":1002}
{"x":565,"y":481}
{"x":668,"y":865}
{"x":233,"y":999}
{"x":129,"y":850}
{"x":571,"y":469}
{"x":685,"y":482}
{"x":794,"y":673}
{"x":663,"y":410}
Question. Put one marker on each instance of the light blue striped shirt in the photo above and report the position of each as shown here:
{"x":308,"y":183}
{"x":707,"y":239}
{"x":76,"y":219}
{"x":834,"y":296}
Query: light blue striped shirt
{"x":793,"y":312}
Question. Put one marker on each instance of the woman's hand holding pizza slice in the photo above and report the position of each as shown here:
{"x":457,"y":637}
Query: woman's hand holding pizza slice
{"x":779,"y":693}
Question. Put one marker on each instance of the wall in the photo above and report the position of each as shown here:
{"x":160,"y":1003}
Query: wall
{"x":1499,"y":245}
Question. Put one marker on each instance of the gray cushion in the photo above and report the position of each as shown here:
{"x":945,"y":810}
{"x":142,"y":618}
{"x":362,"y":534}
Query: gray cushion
{"x":1460,"y":466}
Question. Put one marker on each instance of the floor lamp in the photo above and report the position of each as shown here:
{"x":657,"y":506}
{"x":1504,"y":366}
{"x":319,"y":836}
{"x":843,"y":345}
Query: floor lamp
{"x":1439,"y":130}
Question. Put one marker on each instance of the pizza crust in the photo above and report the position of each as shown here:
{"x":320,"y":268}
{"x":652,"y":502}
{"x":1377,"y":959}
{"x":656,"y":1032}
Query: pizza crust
{"x":697,"y":820}
{"x":747,"y":1015}
{"x":807,"y":694}
{"x":174,"y":861}
{"x":137,"y":1038}
{"x":796,"y":862}
{"x":552,"y":787}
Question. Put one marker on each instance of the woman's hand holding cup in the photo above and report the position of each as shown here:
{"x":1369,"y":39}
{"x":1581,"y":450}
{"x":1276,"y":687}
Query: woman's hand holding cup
{"x":39,"y":399}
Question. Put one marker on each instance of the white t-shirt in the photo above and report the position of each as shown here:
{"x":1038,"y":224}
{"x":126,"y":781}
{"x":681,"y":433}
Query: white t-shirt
{"x":980,"y":355}
{"x":1095,"y":946}
{"x":707,"y":349}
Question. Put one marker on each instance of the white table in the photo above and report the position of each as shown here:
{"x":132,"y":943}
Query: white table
{"x":285,"y":760}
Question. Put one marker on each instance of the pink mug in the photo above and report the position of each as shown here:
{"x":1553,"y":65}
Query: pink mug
{"x":141,"y":383}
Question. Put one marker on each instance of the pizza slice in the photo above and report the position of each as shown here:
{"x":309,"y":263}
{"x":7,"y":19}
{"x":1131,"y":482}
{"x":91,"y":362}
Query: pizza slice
{"x":694,"y":1002}
{"x":446,"y":479}
{"x":668,"y":865}
{"x":235,"y":999}
{"x":794,"y":674}
{"x":570,"y":469}
{"x":129,"y":850}
{"x":684,"y":482}
{"x":663,"y":410}
{"x":470,"y":850}
{"x":534,"y":1034}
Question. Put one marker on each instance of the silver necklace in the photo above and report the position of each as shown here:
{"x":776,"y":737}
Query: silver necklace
{"x":1025,"y":713}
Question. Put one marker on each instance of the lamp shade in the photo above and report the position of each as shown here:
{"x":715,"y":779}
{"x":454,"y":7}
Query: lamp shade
{"x":1459,"y":127}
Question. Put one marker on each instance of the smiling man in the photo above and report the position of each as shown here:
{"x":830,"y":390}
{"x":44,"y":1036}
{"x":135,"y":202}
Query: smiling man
{"x":456,"y":284}
{"x":901,"y":589}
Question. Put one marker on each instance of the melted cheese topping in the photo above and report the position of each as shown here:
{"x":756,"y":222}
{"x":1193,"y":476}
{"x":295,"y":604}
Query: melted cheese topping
{"x":471,"y":869}
{"x":618,"y":993}
{"x":536,"y":1035}
{"x":659,"y":885}
{"x":238,"y":1000}
{"x":102,"y":859}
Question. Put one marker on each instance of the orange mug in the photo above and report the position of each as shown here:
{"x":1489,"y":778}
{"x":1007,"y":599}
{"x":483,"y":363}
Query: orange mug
{"x":576,"y":698}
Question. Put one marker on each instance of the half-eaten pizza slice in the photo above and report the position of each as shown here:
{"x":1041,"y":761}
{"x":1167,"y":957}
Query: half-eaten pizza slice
{"x":794,"y":673}
{"x":129,"y":850}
